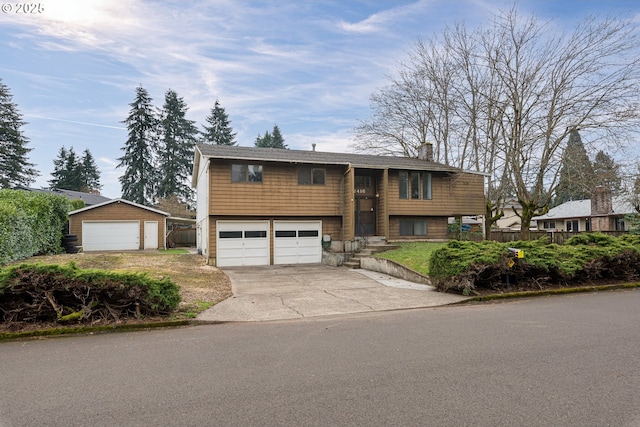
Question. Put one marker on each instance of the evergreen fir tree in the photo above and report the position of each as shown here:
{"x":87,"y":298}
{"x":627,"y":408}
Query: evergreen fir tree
{"x":277,"y":140}
{"x":66,"y":171}
{"x":607,"y":173}
{"x":271,"y":140}
{"x":220,"y":131}
{"x":140,"y":175}
{"x":59,"y":175}
{"x":576,"y":174}
{"x":89,"y":173}
{"x":263,"y":141}
{"x":73,"y":173}
{"x":15,"y":169}
{"x":177,"y":140}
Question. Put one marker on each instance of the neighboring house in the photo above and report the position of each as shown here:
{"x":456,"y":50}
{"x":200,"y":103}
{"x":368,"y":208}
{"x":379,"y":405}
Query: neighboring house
{"x":600,"y":213}
{"x":261,"y":206}
{"x":512,"y":217}
{"x":118,"y":225}
{"x":89,"y":199}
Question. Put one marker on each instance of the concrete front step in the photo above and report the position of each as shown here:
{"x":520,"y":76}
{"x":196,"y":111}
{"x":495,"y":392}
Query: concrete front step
{"x":379,"y":248}
{"x":354,"y":261}
{"x":351,"y":264}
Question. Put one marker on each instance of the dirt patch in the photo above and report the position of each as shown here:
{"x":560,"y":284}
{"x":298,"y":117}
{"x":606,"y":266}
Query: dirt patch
{"x":201,"y":285}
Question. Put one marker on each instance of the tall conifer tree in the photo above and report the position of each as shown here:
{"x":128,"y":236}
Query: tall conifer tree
{"x":576,"y":174}
{"x":89,"y":173}
{"x":140,"y":175}
{"x":15,"y":169}
{"x":607,"y":172}
{"x":220,"y":131}
{"x":58,"y":176}
{"x":177,"y":139}
{"x":66,"y":171}
{"x":271,"y":140}
{"x":71,"y":172}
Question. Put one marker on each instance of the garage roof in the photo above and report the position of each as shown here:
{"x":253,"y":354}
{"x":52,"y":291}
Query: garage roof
{"x":119,"y":201}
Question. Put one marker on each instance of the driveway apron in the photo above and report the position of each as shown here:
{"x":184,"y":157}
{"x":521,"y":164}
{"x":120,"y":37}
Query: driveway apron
{"x":281,"y":292}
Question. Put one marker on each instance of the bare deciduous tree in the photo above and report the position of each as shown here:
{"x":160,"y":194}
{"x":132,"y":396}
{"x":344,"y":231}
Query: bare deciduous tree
{"x":504,"y":100}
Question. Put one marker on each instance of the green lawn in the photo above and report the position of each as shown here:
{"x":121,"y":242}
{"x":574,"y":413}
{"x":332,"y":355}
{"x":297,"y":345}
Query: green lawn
{"x":414,"y":255}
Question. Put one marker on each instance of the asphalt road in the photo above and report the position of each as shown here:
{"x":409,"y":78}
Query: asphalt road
{"x":555,"y":361}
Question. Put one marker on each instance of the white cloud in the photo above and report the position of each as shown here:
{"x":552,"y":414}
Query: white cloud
{"x":380,"y":21}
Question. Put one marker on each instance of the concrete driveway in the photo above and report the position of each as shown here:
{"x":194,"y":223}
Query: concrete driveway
{"x":279,"y":292}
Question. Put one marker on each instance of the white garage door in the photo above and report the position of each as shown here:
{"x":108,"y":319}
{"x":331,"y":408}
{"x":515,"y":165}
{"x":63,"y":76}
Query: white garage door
{"x":110,"y":236}
{"x":242,"y":243}
{"x":297,"y":242}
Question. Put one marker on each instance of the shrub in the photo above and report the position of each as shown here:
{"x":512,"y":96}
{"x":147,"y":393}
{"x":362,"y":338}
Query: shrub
{"x":467,"y":266}
{"x":30,"y":224}
{"x":63,"y":294}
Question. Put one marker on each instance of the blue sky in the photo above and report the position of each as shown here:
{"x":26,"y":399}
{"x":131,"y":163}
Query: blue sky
{"x":308,"y":66}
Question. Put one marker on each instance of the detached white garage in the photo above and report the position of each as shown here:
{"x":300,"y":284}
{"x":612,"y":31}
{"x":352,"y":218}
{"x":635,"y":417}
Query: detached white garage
{"x":111,"y":235}
{"x":118,"y":225}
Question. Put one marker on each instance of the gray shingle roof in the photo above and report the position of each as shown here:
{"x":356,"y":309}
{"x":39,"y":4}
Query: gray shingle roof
{"x":582,"y":209}
{"x":572,"y":209}
{"x":318,"y":157}
{"x":88,"y":198}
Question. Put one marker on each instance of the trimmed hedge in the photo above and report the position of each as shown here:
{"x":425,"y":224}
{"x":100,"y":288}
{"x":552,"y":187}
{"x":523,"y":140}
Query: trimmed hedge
{"x":30,"y":224}
{"x":464,"y":267}
{"x":67,"y":294}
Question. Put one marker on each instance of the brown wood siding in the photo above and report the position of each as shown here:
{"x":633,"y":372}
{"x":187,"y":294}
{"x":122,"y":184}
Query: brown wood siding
{"x":349,"y":205}
{"x":330,"y":225}
{"x":457,"y":194}
{"x":382,"y":218}
{"x":278,"y":194}
{"x":436,"y":228}
{"x":118,"y":212}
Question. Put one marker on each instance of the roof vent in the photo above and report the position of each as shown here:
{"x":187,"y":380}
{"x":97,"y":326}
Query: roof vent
{"x":313,"y":146}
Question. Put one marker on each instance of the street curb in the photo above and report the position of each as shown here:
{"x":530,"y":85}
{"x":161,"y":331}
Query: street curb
{"x":562,"y":291}
{"x":81,"y":330}
{"x":87,"y":330}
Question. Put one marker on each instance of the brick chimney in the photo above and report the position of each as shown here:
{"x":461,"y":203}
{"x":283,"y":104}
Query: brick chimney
{"x":425,"y":152}
{"x":601,"y":203}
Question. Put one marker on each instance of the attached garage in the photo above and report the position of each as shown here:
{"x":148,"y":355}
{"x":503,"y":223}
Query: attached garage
{"x":240,"y":243}
{"x":246,"y":242}
{"x":297,"y":242}
{"x":118,"y":225}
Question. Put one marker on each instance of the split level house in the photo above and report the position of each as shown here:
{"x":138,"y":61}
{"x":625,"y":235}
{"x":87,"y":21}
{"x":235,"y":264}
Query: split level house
{"x":261,"y":206}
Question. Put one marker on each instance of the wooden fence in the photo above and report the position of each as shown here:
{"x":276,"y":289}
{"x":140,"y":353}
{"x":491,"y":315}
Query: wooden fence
{"x":558,"y":237}
{"x":185,"y":237}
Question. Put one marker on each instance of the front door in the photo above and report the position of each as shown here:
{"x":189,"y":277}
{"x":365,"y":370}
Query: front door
{"x":365,"y":215}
